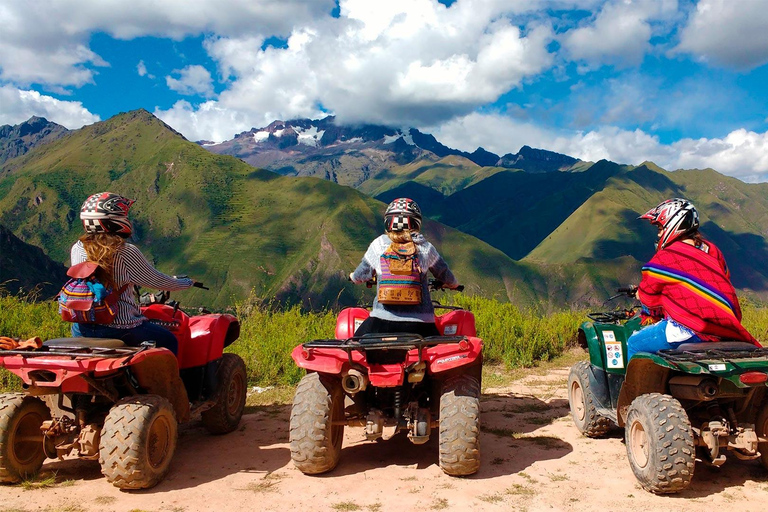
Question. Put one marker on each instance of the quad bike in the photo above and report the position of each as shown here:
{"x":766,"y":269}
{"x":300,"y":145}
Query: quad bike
{"x":117,"y":404}
{"x":695,"y":402}
{"x":394,"y":382}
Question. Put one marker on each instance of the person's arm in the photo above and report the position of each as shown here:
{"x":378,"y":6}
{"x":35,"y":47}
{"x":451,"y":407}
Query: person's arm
{"x":366,"y":269}
{"x":439,"y":269}
{"x":142,"y":273}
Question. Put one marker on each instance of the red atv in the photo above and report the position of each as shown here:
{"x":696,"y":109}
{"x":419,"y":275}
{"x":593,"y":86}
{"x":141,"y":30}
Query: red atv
{"x":398,"y":382}
{"x":117,"y":404}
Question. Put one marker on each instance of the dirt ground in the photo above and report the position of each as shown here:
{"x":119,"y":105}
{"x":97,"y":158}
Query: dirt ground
{"x":533,"y":459}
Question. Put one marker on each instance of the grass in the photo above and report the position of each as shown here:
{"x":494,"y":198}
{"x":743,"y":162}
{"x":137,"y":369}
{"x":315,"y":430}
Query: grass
{"x":515,"y":339}
{"x":346,"y":506}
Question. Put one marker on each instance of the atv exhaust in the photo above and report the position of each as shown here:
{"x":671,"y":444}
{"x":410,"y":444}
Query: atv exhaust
{"x":693,"y":387}
{"x":354,"y":381}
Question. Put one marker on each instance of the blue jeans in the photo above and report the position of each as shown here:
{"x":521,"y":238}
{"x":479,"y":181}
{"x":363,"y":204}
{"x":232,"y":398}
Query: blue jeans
{"x":132,"y":337}
{"x":652,"y":339}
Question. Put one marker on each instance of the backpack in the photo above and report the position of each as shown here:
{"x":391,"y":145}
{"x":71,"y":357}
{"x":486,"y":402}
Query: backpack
{"x":83,"y":299}
{"x":400,"y":282}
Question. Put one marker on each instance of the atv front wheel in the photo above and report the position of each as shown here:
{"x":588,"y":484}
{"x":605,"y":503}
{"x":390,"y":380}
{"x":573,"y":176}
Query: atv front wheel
{"x":21,"y":441}
{"x":460,"y":426}
{"x":138,"y":441}
{"x":582,"y":401}
{"x":659,"y":443}
{"x":232,"y":380}
{"x":316,"y":428}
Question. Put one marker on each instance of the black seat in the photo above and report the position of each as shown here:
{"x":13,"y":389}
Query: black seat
{"x":718,"y":345}
{"x":75,"y":343}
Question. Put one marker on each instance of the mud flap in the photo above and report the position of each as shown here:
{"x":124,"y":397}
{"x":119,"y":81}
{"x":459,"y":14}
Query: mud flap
{"x":159,"y":375}
{"x":598,"y":384}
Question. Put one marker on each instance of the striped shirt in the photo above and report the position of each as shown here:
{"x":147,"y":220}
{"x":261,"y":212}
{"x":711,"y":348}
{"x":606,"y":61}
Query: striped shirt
{"x":429,"y":258}
{"x":132,"y":268}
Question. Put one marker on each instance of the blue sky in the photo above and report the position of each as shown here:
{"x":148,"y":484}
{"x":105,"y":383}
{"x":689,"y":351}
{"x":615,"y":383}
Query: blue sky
{"x":678,"y":82}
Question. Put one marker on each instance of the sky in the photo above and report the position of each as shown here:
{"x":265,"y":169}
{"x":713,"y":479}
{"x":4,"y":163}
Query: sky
{"x":679,"y":82}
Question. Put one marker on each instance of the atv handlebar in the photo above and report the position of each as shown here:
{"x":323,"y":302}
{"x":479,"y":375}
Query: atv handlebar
{"x":437,"y":285}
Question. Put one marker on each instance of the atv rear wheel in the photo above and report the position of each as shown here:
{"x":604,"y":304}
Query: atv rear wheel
{"x":232,"y":380}
{"x":761,"y":428}
{"x":582,"y":401}
{"x":21,"y":441}
{"x":659,"y":443}
{"x":316,"y":428}
{"x":460,"y":426}
{"x":138,"y":441}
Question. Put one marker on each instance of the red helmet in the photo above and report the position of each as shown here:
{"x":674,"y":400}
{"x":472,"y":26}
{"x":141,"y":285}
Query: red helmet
{"x":675,"y":219}
{"x":402,"y":213}
{"x":106,"y":212}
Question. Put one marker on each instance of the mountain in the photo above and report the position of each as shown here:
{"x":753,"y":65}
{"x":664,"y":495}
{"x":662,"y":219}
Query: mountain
{"x":17,"y":140}
{"x":239,"y":229}
{"x":27,"y":268}
{"x":352,"y":155}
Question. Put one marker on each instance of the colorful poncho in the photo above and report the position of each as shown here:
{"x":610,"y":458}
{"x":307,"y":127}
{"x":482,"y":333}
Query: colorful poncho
{"x":692,"y":286}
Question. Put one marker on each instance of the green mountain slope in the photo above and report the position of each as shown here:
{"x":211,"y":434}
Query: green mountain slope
{"x":223,"y":222}
{"x":27,"y":268}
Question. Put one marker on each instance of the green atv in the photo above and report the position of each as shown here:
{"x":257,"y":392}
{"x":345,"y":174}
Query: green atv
{"x":676,"y":406}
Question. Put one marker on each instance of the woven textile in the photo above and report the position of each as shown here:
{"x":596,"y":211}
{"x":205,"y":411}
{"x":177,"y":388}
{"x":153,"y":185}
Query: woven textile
{"x":692,"y":286}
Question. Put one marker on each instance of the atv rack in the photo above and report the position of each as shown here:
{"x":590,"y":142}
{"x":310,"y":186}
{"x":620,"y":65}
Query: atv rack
{"x":393,"y":341}
{"x":77,"y":352}
{"x":703,"y":354}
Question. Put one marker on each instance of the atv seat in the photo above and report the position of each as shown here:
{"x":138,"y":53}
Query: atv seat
{"x":718,"y":345}
{"x":75,"y":343}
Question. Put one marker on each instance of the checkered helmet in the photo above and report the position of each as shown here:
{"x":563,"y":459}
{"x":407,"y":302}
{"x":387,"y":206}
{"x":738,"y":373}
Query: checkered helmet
{"x":675,"y":219}
{"x":106,"y":212}
{"x":402,"y":213}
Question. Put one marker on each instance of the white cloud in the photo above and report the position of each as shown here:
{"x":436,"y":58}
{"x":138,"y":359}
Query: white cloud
{"x":208,"y":121}
{"x":192,"y":80}
{"x":141,"y":69}
{"x":728,"y":33}
{"x":742,"y":153}
{"x":19,"y":105}
{"x":46,"y":41}
{"x":619,"y":35}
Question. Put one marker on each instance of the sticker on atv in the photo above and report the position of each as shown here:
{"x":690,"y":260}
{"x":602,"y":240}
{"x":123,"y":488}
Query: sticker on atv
{"x":614,"y":354}
{"x":719,"y":367}
{"x":609,"y":336}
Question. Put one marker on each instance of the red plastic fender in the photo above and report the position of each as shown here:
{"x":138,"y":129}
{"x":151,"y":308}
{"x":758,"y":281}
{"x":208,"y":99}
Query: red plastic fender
{"x":456,"y":323}
{"x":67,"y":371}
{"x":207,"y":339}
{"x":441,"y":358}
{"x":348,"y":321}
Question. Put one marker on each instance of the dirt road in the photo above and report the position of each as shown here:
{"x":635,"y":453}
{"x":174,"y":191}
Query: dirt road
{"x":533,"y":459}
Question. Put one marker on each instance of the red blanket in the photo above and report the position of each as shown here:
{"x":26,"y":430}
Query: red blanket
{"x":693,"y":287}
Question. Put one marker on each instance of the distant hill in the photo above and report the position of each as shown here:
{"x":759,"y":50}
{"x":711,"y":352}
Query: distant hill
{"x":17,"y":140}
{"x":353,"y":155}
{"x":236,"y":228}
{"x":27,"y":268}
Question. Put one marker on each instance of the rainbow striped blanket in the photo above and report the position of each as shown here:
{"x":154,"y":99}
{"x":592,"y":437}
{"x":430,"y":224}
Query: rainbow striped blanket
{"x":693,"y":287}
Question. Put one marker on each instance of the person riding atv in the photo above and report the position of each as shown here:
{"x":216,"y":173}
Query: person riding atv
{"x":399,"y":260}
{"x":120,"y":266}
{"x":686,"y":291}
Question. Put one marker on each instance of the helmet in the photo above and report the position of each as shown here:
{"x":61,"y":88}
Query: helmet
{"x":106,"y":212}
{"x":402,"y":213}
{"x":675,"y":218}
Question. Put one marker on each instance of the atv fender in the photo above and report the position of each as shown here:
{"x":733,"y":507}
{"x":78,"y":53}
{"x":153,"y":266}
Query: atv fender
{"x":598,"y":385}
{"x":646,"y":373}
{"x":159,"y":375}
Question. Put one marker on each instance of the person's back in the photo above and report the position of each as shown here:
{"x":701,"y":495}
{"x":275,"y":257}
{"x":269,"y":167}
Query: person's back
{"x":685,"y":289}
{"x":402,"y":225}
{"x":120,"y":266}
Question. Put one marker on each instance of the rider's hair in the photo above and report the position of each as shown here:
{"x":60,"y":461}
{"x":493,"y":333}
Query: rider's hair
{"x":400,"y":237}
{"x":101,"y":249}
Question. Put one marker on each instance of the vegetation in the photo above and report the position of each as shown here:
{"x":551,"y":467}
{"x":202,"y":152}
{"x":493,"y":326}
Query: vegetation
{"x":514,"y":337}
